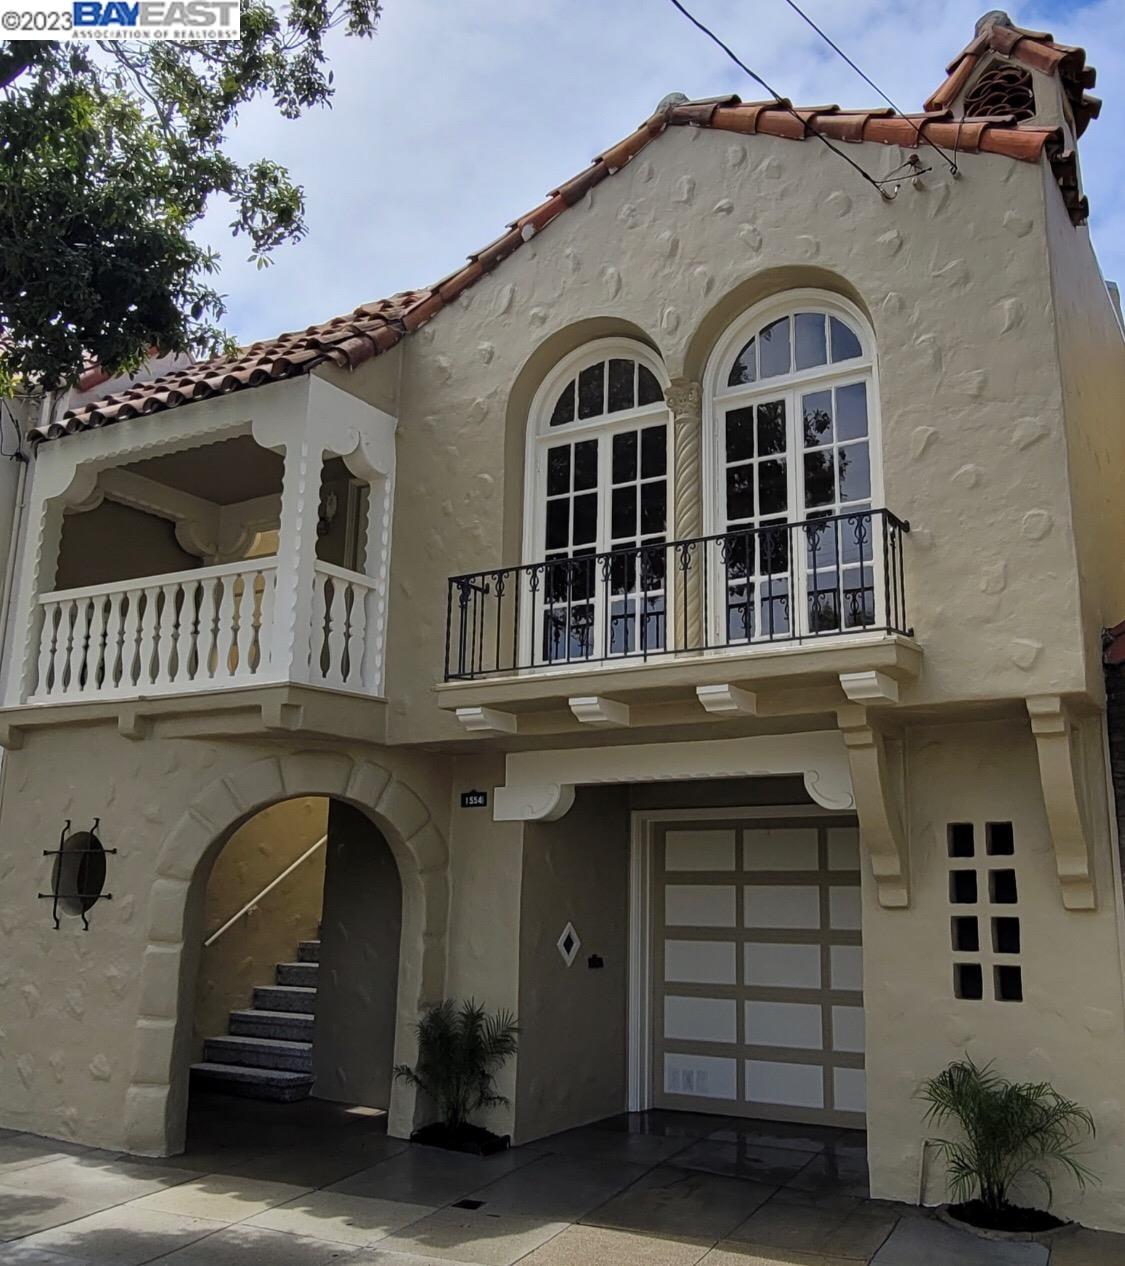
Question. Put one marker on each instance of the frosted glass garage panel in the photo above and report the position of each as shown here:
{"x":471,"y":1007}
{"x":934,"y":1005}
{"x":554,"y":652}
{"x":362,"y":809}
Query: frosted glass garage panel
{"x":705,"y":1075}
{"x":790,"y":1085}
{"x":783,"y":966}
{"x":700,"y":962}
{"x":843,"y":848}
{"x":794,"y":1024}
{"x":780,"y":849}
{"x":701,"y":905}
{"x":701,"y":1019}
{"x":846,"y":966}
{"x":849,"y":1089}
{"x":699,"y":850}
{"x":844,"y":909}
{"x":847,"y":1029}
{"x":782,"y":906}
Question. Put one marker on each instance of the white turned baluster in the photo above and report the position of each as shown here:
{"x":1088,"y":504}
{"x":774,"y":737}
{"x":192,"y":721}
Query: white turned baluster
{"x":336,"y":640}
{"x":265,"y":621}
{"x":164,"y":600}
{"x":70,"y":633}
{"x":83,"y":616}
{"x":317,"y":634}
{"x":147,"y":668}
{"x":238,"y":627}
{"x":96,"y":670}
{"x":210,"y":634}
{"x":48,"y":642}
{"x":191,"y":634}
{"x":115,"y":653}
{"x":357,"y":629}
{"x":224,"y":623}
{"x":131,"y":672}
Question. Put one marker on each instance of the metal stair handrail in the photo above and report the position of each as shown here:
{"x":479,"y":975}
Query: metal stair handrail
{"x":265,"y":891}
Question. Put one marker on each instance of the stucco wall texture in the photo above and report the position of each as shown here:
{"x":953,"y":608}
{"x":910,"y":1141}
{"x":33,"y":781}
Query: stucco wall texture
{"x":673,"y":248}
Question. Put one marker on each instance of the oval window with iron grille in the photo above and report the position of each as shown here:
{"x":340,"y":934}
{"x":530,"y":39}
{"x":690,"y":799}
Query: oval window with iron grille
{"x":78,"y":879}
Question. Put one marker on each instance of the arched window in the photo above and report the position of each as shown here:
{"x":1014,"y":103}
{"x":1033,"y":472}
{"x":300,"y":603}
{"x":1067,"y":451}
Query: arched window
{"x":793,"y":471}
{"x":598,"y":505}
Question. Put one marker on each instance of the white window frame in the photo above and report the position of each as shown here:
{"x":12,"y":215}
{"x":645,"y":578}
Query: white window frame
{"x":718,"y":398}
{"x":541,"y":436}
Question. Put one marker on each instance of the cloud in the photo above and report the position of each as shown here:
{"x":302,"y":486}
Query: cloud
{"x":455,"y":118}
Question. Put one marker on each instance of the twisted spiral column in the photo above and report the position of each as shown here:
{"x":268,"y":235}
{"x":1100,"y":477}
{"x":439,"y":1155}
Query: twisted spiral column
{"x":685,"y":400}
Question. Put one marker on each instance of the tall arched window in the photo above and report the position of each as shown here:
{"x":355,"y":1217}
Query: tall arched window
{"x":597,"y":513}
{"x":791,"y":431}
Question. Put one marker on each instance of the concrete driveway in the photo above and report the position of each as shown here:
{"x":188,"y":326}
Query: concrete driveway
{"x":316,"y":1183}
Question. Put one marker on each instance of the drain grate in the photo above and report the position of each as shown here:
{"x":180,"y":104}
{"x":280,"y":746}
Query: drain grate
{"x":467,"y":1204}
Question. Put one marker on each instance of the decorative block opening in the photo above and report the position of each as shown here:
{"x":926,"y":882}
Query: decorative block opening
{"x":966,"y":934}
{"x":963,"y":887}
{"x":1006,"y":935}
{"x":960,"y":839}
{"x":968,"y":981}
{"x":1002,"y":887}
{"x":999,"y":839}
{"x":1008,"y":983}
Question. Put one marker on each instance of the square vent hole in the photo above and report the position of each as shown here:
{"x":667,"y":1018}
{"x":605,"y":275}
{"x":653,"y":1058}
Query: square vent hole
{"x":963,"y":887}
{"x":961,"y":839}
{"x":966,"y":934}
{"x":1008,"y":984}
{"x":1002,"y":887}
{"x":968,"y":982}
{"x":1000,"y":840}
{"x":1006,"y":936}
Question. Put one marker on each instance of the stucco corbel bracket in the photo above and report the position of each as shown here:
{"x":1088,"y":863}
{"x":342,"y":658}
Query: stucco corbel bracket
{"x":1057,"y":744}
{"x":723,"y":700}
{"x":11,"y":737}
{"x":132,"y":723}
{"x":486,"y":721}
{"x":543,"y":802}
{"x":872,"y":759}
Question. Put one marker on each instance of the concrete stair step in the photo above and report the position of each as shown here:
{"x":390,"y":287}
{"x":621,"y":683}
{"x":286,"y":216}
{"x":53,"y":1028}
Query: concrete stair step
{"x":285,"y":998}
{"x":285,"y":1026}
{"x":297,"y":974}
{"x":252,"y":1083}
{"x":308,"y":951}
{"x":259,"y":1052}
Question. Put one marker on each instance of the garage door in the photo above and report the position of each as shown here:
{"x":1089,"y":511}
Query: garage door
{"x":757,"y":970}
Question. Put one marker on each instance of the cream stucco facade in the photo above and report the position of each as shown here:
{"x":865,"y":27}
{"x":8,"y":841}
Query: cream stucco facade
{"x":995,"y":376}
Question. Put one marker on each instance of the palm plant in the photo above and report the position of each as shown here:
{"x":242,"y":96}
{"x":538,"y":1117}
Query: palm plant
{"x":460,"y":1050}
{"x":1009,"y":1130}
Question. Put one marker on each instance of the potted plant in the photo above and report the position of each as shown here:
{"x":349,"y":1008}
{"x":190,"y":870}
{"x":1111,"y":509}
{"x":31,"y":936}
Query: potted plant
{"x":1010,"y":1131}
{"x":461,"y":1048}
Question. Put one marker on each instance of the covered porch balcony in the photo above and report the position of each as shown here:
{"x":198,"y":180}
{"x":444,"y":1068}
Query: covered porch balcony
{"x":217,"y":550}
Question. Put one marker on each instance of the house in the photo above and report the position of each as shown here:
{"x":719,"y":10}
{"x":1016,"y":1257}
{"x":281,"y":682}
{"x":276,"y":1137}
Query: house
{"x":687,"y":617}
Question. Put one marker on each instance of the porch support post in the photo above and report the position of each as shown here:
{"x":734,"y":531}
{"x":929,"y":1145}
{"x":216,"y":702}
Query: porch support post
{"x":1058,"y":743}
{"x":290,"y":627}
{"x":877,"y":793}
{"x":685,"y":400}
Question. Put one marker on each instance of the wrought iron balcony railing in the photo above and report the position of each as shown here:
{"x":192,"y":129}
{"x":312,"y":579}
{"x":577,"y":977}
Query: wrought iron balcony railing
{"x":667,"y":598}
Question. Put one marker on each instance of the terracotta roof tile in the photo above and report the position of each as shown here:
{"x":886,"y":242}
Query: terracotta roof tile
{"x":1036,"y":49}
{"x":351,"y":339}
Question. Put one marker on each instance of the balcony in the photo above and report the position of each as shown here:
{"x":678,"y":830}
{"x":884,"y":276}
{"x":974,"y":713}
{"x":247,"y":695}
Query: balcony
{"x":220,"y":573}
{"x":204,"y":629}
{"x":667,"y":616}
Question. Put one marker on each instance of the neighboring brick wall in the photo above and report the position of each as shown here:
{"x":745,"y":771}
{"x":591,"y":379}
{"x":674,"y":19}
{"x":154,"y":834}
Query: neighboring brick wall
{"x":1115,"y":722}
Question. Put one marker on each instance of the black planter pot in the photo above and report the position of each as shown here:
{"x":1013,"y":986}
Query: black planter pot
{"x":473,"y":1139}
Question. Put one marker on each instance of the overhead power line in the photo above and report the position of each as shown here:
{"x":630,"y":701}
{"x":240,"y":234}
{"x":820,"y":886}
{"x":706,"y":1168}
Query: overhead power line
{"x":922,"y":137}
{"x":783,"y":103}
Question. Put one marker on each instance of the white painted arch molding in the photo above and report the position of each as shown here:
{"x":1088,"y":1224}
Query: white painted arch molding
{"x":156,"y":1100}
{"x":539,"y":786}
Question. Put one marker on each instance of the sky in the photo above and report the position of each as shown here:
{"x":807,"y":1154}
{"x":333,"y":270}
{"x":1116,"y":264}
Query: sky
{"x":457,"y":117}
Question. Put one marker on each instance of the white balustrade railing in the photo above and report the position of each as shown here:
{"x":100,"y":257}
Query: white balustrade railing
{"x":189,"y":630}
{"x":339,"y":654}
{"x":199,"y":630}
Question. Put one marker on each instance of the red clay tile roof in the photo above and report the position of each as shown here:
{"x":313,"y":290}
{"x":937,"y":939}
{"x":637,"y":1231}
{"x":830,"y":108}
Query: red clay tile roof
{"x":350,"y":340}
{"x":1037,"y":49}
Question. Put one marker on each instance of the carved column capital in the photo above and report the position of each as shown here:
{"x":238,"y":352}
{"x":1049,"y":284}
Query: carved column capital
{"x":685,"y":399}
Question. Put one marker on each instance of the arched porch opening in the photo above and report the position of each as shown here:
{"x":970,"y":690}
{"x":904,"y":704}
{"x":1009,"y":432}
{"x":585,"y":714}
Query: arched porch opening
{"x":381,"y":839}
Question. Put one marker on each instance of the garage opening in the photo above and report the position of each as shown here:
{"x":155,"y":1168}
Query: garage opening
{"x":753,"y":1003}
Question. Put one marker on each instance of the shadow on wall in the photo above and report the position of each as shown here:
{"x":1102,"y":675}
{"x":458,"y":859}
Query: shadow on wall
{"x":246,"y":954}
